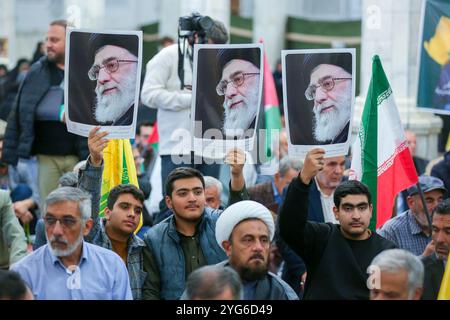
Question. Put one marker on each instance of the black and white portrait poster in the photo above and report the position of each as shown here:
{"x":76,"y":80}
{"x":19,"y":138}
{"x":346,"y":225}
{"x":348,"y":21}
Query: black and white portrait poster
{"x":319,"y":94}
{"x":102,"y":81}
{"x":227,"y":94}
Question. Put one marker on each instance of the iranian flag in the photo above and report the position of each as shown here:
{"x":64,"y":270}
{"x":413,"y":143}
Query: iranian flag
{"x":271,"y":108}
{"x":381,"y":158}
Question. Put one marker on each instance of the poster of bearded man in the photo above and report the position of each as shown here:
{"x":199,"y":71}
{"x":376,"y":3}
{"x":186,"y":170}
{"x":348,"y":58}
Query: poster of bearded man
{"x":319,"y":95}
{"x":227,"y":94}
{"x":102,"y":81}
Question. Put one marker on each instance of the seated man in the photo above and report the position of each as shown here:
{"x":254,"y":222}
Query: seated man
{"x":68,"y":268}
{"x":186,"y":241}
{"x":270,"y":193}
{"x":245,"y":231}
{"x":410,"y":230}
{"x":213,"y":192}
{"x":435,"y":262}
{"x":397,"y":275}
{"x":336,"y":255}
{"x":213,"y":283}
{"x":124,"y":208}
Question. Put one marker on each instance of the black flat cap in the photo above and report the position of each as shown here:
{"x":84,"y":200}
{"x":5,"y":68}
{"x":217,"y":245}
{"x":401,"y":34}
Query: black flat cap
{"x":312,"y":60}
{"x":224,"y":56}
{"x":99,"y":40}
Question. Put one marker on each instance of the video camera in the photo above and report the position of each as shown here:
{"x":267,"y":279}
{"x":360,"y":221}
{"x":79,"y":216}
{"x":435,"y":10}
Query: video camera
{"x":188,"y":26}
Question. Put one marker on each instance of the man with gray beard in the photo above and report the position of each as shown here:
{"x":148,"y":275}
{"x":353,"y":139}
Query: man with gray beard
{"x":115,"y":70}
{"x":330,"y":87}
{"x":239,"y":84}
{"x":67,"y":267}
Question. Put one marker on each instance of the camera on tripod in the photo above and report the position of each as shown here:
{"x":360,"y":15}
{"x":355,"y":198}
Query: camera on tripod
{"x":188,"y":26}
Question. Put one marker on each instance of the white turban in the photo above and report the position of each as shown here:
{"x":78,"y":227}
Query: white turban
{"x":239,"y":211}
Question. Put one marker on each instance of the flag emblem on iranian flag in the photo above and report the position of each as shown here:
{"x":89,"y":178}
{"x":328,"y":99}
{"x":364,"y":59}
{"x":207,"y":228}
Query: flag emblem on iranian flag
{"x":381,"y":158}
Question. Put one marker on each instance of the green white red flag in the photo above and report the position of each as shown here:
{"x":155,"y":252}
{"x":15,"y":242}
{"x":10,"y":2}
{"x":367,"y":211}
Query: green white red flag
{"x":271,"y":109}
{"x":381,"y":158}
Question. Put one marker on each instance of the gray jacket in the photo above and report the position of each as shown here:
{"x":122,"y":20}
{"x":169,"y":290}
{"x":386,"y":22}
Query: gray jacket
{"x":13,"y":245}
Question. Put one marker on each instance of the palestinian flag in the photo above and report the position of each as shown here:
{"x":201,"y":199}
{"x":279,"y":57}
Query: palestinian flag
{"x":119,"y":168}
{"x":381,"y":158}
{"x":154,"y":138}
{"x":271,"y":109}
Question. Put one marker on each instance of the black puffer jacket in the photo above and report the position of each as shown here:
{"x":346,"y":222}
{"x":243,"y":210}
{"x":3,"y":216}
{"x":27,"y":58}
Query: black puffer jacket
{"x":19,"y":134}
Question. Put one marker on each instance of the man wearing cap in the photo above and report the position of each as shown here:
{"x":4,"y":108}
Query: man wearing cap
{"x":245,"y":231}
{"x":330,"y":87}
{"x":114,"y":69}
{"x":36,"y":123}
{"x":410,"y":230}
{"x":239,"y":84}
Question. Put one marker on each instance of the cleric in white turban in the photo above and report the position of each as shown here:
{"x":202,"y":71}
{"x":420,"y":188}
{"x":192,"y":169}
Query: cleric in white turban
{"x":238,"y":212}
{"x":245,"y":231}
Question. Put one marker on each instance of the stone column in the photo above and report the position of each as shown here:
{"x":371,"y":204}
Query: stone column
{"x":269,"y":21}
{"x":171,"y":10}
{"x":391,"y":29}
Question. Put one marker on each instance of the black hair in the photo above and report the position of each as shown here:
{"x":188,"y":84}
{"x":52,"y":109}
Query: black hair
{"x":443,"y":207}
{"x":121,"y":189}
{"x":144,"y":124}
{"x":11,"y":286}
{"x":353,"y":187}
{"x":182,"y":173}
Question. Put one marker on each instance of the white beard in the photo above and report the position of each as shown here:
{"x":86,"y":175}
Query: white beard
{"x":112,"y":106}
{"x":70,"y":247}
{"x":329,"y":124}
{"x":236,"y":121}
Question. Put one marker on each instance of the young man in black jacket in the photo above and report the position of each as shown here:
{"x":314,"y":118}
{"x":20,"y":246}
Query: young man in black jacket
{"x":336,"y":255}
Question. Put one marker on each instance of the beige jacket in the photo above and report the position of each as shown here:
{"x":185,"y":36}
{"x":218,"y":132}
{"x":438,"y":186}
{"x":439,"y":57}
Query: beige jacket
{"x":13,"y":245}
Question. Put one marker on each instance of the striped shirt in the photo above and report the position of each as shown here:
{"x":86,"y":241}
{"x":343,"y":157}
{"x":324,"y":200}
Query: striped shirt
{"x":406,"y":233}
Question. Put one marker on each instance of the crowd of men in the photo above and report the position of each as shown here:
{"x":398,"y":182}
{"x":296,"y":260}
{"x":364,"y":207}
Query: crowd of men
{"x":302,"y":233}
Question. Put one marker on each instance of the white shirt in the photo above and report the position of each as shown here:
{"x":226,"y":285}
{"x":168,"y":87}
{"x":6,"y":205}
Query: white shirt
{"x":327,"y":205}
{"x":161,"y":90}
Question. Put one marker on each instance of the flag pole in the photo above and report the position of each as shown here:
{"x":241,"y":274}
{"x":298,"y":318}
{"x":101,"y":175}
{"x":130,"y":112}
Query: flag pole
{"x":425,"y":208}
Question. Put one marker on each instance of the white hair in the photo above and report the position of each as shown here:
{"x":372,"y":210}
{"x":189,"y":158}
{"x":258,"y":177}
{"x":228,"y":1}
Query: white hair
{"x":213,"y":182}
{"x":64,"y":194}
{"x":394,"y":260}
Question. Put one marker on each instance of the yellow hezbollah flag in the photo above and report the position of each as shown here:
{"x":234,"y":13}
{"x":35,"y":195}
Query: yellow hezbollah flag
{"x":439,"y":47}
{"x":119,"y":169}
{"x":444,"y":292}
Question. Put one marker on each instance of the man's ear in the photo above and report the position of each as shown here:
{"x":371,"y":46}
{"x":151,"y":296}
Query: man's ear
{"x":336,"y":213}
{"x":87,"y":227}
{"x":107,"y":214}
{"x":276,"y":176}
{"x":418,"y":293}
{"x":226,"y":244}
{"x":410,"y":202}
{"x":169,"y":202}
